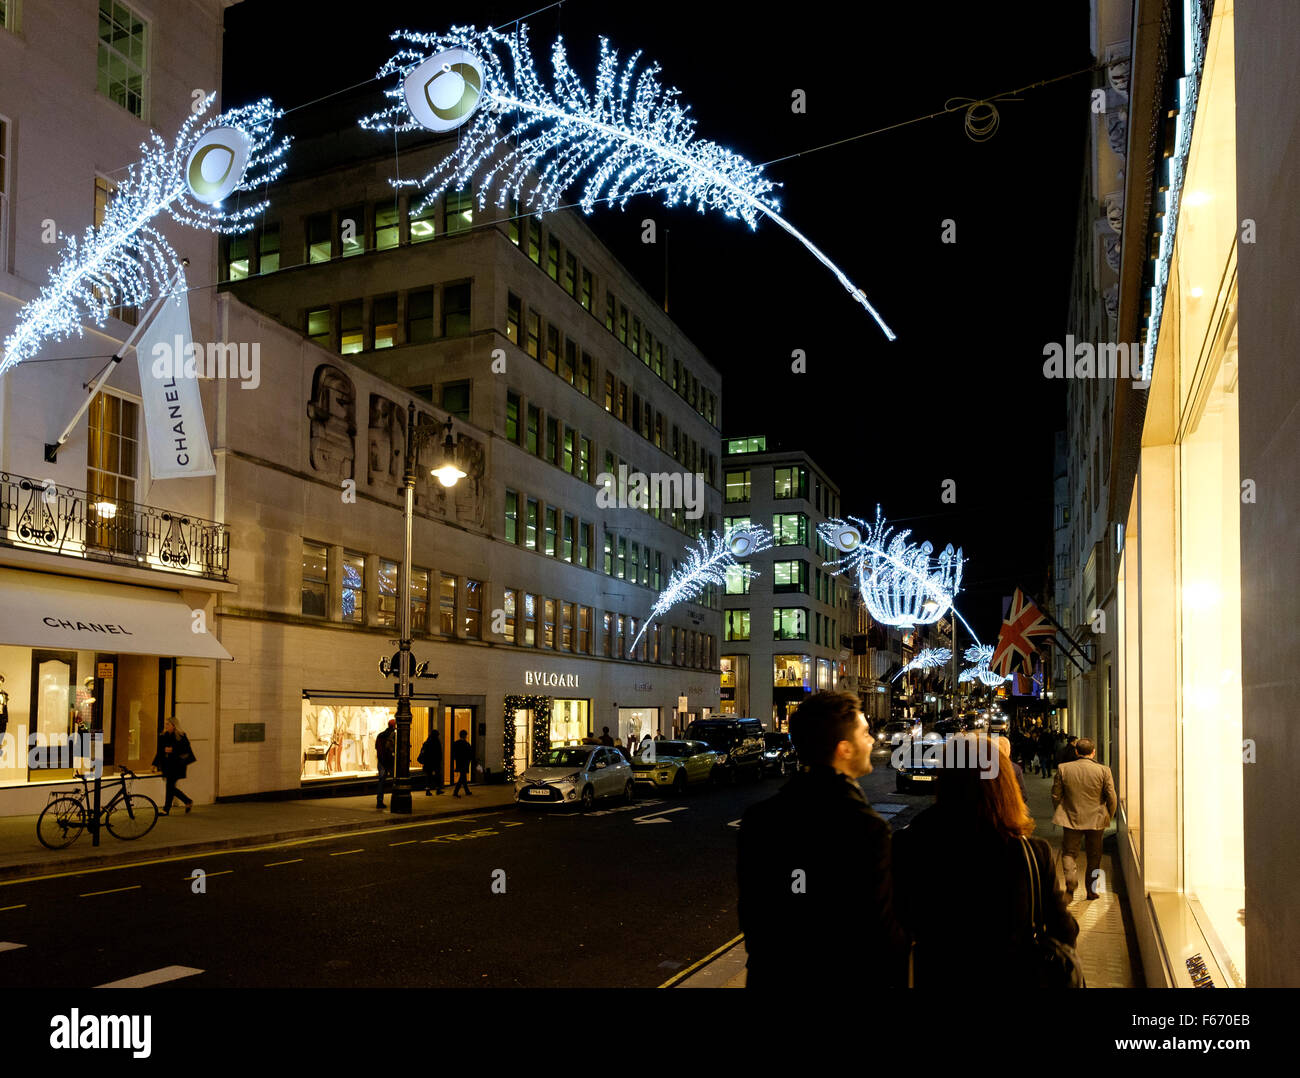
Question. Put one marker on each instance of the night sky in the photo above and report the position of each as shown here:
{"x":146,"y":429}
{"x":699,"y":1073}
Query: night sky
{"x":960,"y":395}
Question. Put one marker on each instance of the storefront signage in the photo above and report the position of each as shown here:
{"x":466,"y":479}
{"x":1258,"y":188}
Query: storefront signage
{"x":643,"y":686}
{"x":543,"y":677}
{"x":103,"y":670}
{"x":250,"y":731}
{"x":87,"y":626}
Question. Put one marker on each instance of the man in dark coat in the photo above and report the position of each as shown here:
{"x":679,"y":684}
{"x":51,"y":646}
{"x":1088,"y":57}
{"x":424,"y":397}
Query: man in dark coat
{"x":814,"y":864}
{"x":386,"y":756}
{"x":430,"y":759}
{"x":462,"y":759}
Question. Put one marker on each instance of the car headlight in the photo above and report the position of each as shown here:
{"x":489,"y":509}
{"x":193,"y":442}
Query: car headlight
{"x":771,"y":755}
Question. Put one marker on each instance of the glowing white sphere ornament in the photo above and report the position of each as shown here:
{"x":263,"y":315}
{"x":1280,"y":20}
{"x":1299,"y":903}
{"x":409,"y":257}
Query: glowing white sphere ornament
{"x":443,"y":91}
{"x":742,"y":543}
{"x":845,"y":537}
{"x":216,"y":165}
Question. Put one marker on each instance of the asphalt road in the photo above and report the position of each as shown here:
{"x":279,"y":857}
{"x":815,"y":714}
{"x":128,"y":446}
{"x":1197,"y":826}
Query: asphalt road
{"x":623,"y":897}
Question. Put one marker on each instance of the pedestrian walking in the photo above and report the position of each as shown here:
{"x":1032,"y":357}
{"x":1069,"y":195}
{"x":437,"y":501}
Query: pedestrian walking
{"x":1065,"y":750}
{"x":605,"y":739}
{"x":173,"y":758}
{"x":1046,"y":752}
{"x":814,"y":863}
{"x":462,"y":759}
{"x":1084,"y":796}
{"x":1004,"y":747}
{"x":430,"y":759}
{"x":385,"y":757}
{"x":977,"y":832}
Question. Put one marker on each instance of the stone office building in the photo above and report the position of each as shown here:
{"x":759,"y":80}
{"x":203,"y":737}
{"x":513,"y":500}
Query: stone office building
{"x":554,"y":368}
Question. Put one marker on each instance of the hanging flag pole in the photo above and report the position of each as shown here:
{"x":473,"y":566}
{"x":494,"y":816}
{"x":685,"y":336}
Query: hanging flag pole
{"x":52,"y":448}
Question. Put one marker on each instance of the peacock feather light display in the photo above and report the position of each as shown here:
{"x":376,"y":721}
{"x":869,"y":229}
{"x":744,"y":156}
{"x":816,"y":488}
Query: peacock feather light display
{"x":627,"y":135}
{"x":901,"y":584}
{"x":127,"y":260}
{"x":707,"y":563}
{"x":979,"y":655}
{"x":926,"y":659}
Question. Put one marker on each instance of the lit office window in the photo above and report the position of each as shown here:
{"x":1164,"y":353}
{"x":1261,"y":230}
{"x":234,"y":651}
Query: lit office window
{"x":530,"y":620}
{"x":790,"y":576}
{"x":352,"y":230}
{"x":584,"y":545}
{"x":315,"y":582}
{"x":447,"y":604}
{"x":790,"y":529}
{"x":789,"y":623}
{"x":566,"y":550}
{"x":566,"y":626}
{"x":584,"y":629}
{"x":530,"y":525}
{"x":386,"y":227}
{"x":354,"y":587}
{"x":268,"y":248}
{"x":512,"y":517}
{"x":386,"y":603}
{"x":459,"y":207}
{"x":419,"y":600}
{"x":514,"y":316}
{"x":512,"y":417}
{"x":473,"y":609}
{"x":350,"y":336}
{"x":533,"y":341}
{"x":737,"y":627}
{"x":422,"y":222}
{"x":549,"y":538}
{"x":737,"y":486}
{"x":319,"y":242}
{"x":385,"y":319}
{"x":508,"y":606}
{"x":123,"y":62}
{"x":548,"y":623}
{"x":737,"y":581}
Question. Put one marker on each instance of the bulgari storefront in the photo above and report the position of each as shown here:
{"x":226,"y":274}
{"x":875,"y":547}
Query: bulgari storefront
{"x":93,"y":668}
{"x":1179,"y":597}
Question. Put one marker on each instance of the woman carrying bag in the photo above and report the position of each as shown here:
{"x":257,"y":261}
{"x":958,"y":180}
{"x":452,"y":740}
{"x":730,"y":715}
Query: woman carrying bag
{"x":173,"y":757}
{"x":981,"y":899}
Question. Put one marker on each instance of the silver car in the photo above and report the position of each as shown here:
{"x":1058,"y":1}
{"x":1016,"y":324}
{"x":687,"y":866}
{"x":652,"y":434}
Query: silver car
{"x":576,"y":775}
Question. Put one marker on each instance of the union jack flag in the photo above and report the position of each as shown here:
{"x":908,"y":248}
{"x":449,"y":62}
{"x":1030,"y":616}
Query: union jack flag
{"x":1023,"y":623}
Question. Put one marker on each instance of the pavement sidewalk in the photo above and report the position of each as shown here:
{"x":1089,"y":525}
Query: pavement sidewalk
{"x":1106,"y":947}
{"x":230,"y":824}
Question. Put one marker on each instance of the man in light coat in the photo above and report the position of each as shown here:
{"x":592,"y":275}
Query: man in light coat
{"x":1084,"y":795}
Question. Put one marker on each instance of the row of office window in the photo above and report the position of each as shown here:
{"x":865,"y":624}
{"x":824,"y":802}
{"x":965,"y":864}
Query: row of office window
{"x":788,"y":623}
{"x":630,"y":561}
{"x":788,"y":529}
{"x":548,"y":530}
{"x":545,"y":436}
{"x":787,"y":482}
{"x":620,"y":470}
{"x":626,"y":405}
{"x":787,"y":576}
{"x":788,"y":672}
{"x":562,"y":267}
{"x":414,"y":316}
{"x":369,"y":587}
{"x":444,"y":604}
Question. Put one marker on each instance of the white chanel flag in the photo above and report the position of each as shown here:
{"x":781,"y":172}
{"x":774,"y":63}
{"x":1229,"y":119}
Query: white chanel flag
{"x":169,"y":365}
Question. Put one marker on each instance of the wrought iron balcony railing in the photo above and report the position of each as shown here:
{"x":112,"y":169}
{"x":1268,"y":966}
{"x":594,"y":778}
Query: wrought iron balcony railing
{"x":40,"y":515}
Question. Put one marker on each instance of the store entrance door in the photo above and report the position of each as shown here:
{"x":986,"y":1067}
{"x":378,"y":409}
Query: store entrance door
{"x":454,"y":720}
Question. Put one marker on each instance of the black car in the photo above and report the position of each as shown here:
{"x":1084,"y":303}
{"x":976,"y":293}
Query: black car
{"x":779,"y":756}
{"x":916,"y":763}
{"x":738,"y":743}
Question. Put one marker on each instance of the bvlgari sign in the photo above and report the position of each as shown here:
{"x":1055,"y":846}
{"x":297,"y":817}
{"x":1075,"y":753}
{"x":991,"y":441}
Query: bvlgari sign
{"x":543,"y":677}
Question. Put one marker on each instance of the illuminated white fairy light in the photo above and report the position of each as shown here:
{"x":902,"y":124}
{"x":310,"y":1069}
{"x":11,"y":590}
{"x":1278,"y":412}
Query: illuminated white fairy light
{"x":926,"y":659}
{"x":707,"y":563}
{"x":900,"y":583}
{"x":629,"y":135}
{"x":980,"y":655}
{"x":127,"y":260}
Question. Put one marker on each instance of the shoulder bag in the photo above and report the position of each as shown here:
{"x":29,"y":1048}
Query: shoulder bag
{"x":1052,"y":963}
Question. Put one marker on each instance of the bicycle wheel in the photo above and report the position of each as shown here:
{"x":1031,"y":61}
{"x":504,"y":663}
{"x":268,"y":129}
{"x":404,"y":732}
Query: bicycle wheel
{"x":131,"y":816}
{"x":61,"y":823}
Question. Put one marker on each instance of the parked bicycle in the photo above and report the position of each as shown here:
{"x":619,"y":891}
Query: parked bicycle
{"x":127,"y":815}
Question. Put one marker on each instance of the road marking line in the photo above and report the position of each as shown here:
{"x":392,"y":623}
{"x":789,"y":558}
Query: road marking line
{"x":154,"y":976}
{"x":658,"y":817}
{"x":260,"y":848}
{"x":12,"y":946}
{"x":696,"y":965}
{"x":115,"y":890}
{"x":405,"y":842}
{"x":344,"y":853}
{"x":20,"y":906}
{"x":207,"y":875}
{"x":272,"y":864}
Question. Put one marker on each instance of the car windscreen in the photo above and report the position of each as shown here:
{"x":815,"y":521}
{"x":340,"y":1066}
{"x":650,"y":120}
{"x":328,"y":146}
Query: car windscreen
{"x":712,"y":735}
{"x":897,"y":727}
{"x":565,"y":758}
{"x":776,"y":741}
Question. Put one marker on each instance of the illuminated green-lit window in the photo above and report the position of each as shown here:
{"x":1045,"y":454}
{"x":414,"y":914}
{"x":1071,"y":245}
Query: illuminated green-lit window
{"x":789,"y":623}
{"x":584,"y":297}
{"x":530,"y":525}
{"x":745,"y":445}
{"x":552,"y":258}
{"x":737,"y":625}
{"x":790,"y":529}
{"x":459,"y":211}
{"x":318,"y":326}
{"x":737,"y":580}
{"x":731,"y":524}
{"x":533,"y":342}
{"x":319,"y":243}
{"x":352,"y":230}
{"x":512,"y":517}
{"x":512,"y":417}
{"x":737,"y":484}
{"x":268,"y":249}
{"x":386,"y":225}
{"x":238,"y":248}
{"x":514,"y":315}
{"x":422,"y":222}
{"x":570,"y":280}
{"x":535,"y":240}
{"x":123,"y":64}
{"x":790,"y":482}
{"x":790,"y":576}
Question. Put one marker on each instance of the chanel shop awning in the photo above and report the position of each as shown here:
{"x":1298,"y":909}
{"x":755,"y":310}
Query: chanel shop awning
{"x":41,"y":610}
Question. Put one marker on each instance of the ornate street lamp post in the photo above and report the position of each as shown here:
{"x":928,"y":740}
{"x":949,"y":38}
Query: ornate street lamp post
{"x":448,"y":473}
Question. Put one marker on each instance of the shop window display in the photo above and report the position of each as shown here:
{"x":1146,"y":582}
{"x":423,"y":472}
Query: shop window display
{"x":338,"y":740}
